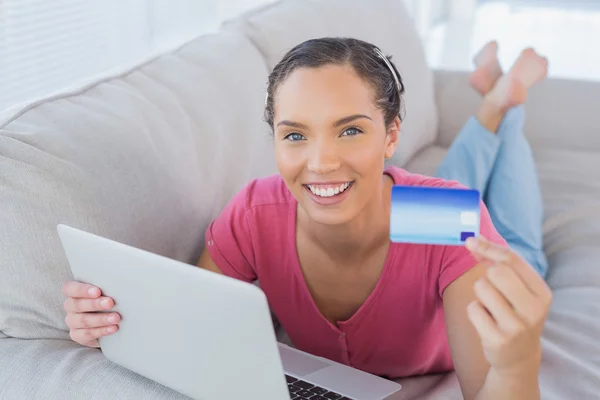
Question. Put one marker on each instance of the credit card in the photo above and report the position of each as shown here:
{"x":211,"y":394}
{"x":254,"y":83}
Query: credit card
{"x":433,"y":215}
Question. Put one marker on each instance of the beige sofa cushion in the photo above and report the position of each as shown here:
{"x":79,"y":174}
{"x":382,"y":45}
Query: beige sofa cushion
{"x":148,"y":158}
{"x":277,"y":28}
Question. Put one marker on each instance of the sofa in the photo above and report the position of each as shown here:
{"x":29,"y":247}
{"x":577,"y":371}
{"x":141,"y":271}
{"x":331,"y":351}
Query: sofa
{"x":148,"y":156}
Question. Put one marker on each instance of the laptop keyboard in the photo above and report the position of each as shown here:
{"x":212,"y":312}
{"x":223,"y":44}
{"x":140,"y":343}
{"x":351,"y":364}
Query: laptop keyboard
{"x":300,"y":390}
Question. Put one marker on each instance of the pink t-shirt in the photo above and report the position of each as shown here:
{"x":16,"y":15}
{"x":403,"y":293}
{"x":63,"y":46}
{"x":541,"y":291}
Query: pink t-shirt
{"x":400,"y":329}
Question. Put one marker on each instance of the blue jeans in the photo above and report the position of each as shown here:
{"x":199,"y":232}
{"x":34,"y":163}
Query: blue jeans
{"x":502,"y":168}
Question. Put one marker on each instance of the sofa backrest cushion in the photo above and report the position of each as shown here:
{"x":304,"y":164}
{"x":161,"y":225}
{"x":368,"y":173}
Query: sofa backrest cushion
{"x":148,"y":158}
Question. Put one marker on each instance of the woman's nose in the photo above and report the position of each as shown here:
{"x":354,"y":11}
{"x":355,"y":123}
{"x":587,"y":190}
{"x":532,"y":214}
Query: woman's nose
{"x":323,"y":158}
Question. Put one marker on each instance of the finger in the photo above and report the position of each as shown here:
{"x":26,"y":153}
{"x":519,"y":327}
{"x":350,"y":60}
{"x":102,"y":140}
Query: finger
{"x":483,"y":248}
{"x":531,"y":279}
{"x":499,"y":308}
{"x":88,"y":337}
{"x":484,"y":324}
{"x":81,"y":290}
{"x":479,"y":258}
{"x":78,"y":305}
{"x":486,"y":250}
{"x":518,"y":295}
{"x":91,"y":320}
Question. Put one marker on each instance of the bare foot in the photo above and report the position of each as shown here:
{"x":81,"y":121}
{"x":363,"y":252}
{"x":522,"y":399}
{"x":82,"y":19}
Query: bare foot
{"x":511,"y":89}
{"x":487,"y":69}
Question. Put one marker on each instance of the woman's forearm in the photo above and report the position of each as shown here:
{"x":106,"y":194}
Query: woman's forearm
{"x":522,"y":386}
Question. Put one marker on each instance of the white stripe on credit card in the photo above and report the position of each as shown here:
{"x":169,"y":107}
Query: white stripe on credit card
{"x":468,"y":218}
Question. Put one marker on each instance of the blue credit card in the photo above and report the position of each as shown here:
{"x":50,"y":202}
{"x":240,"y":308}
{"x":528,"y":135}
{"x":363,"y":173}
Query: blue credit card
{"x":433,"y":215}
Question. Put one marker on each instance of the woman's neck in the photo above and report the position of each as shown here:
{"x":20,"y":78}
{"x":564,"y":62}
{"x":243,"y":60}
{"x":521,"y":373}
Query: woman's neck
{"x":359,"y":237}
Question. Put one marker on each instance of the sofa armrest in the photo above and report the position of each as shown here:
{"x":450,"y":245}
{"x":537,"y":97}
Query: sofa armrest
{"x":561,"y":113}
{"x":63,"y":370}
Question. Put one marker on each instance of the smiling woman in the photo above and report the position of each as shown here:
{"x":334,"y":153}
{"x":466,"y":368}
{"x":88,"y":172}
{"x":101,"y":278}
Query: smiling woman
{"x":316,"y":235}
{"x":338,"y":115}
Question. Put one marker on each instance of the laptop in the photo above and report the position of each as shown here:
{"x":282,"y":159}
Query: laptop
{"x":203,"y":334}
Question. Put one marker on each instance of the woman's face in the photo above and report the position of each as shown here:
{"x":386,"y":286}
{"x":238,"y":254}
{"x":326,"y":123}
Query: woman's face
{"x":331,"y":141}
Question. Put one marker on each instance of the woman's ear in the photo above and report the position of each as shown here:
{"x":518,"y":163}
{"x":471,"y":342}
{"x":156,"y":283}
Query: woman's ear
{"x":391,"y":138}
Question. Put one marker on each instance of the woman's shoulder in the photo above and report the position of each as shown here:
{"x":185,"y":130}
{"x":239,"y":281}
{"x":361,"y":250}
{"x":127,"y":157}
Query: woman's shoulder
{"x":403,"y":177}
{"x":244,"y":212}
{"x":269,"y":190}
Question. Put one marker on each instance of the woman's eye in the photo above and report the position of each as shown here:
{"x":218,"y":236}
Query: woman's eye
{"x":294,"y":137}
{"x":351,"y":132}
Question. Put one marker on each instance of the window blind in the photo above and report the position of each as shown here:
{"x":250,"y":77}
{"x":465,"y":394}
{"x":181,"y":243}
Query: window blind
{"x":46,"y":46}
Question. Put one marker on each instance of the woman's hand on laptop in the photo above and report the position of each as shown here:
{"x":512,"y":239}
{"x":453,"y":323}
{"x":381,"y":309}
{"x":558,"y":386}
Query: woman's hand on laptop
{"x":86,"y":324}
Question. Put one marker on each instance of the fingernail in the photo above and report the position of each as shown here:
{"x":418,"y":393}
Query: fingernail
{"x":104,"y":303}
{"x":111,"y":329}
{"x":471,"y":243}
{"x":479,"y":284}
{"x":472,"y":305}
{"x":93,"y":291}
{"x":111,"y":319}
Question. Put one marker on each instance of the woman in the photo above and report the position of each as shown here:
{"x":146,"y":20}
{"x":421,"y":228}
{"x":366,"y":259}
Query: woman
{"x":317,"y":234}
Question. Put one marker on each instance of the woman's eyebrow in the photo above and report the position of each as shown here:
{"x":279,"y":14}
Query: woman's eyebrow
{"x":350,"y":118}
{"x":292,"y":124}
{"x":338,"y":123}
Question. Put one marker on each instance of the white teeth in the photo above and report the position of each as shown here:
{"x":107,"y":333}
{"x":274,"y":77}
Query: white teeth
{"x":322,"y":192}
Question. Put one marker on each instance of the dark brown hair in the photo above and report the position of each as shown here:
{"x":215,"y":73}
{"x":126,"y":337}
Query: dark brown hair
{"x":358,"y":54}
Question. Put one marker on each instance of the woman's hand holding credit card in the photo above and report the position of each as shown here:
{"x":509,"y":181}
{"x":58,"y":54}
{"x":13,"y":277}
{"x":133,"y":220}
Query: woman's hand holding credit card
{"x":512,"y":300}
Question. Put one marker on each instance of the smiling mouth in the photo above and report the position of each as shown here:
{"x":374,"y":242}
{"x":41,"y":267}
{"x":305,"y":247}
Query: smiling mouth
{"x":329,"y":190}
